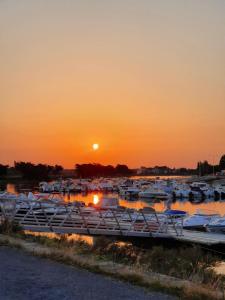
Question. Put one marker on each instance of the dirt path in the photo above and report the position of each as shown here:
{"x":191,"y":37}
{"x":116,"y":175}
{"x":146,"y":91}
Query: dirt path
{"x":24,"y":277}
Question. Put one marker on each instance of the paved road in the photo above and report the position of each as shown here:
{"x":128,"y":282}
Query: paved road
{"x":25,"y":277}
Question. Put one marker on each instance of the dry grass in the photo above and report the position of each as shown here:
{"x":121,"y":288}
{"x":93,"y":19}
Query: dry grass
{"x":78,"y":254}
{"x":8,"y":227}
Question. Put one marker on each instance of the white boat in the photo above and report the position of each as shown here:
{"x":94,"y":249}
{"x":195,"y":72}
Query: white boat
{"x":182,"y":193}
{"x":217,"y":225}
{"x":107,"y":203}
{"x":105,"y":186}
{"x":209,"y":193}
{"x":130,"y":192}
{"x":153,"y":193}
{"x":200,"y":186}
{"x":220,"y":191}
{"x":200,"y":219}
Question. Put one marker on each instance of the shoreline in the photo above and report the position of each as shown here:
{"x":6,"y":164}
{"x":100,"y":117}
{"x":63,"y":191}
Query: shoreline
{"x":125,"y":272}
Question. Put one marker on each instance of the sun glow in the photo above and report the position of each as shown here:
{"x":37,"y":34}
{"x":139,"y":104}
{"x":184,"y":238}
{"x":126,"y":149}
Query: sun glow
{"x":95,"y":147}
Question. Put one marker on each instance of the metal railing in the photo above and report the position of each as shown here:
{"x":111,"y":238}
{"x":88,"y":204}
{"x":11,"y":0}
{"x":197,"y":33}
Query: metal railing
{"x":73,"y":218}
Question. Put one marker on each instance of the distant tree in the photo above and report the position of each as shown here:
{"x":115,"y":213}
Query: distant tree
{"x":97,"y":170}
{"x":3,"y":169}
{"x":204,"y":168}
{"x":32,"y":171}
{"x":182,"y":171}
{"x":199,"y":171}
{"x":109,"y":170}
{"x":122,"y":170}
{"x":222,"y":163}
{"x":57,"y":169}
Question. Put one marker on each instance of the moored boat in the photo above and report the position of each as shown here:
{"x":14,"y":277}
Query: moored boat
{"x":217,"y":225}
{"x":152,"y":193}
{"x":200,"y":219}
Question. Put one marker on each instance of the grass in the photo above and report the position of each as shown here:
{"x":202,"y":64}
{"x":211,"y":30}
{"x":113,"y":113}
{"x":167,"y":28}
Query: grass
{"x":185,"y":272}
{"x":91,"y":262}
{"x":9,"y":227}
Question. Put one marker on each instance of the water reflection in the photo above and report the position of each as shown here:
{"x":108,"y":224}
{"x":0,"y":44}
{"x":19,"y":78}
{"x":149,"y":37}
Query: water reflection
{"x":184,"y":204}
{"x":69,"y":237}
{"x":95,"y":199}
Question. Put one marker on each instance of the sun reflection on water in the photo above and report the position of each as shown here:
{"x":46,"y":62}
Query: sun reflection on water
{"x":95,"y":199}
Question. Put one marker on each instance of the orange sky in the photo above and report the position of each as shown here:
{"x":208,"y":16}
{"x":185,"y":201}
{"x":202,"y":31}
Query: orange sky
{"x":144,"y":79}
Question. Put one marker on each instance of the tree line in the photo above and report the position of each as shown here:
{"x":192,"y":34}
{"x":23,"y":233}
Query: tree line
{"x":3,"y":169}
{"x":204,"y":168}
{"x":98,"y":170}
{"x":28,"y":170}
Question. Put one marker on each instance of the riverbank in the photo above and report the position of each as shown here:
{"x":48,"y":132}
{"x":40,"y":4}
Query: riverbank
{"x":24,"y":276}
{"x":119,"y":261}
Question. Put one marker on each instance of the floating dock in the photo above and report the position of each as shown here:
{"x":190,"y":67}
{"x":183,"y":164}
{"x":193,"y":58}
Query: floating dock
{"x":72,"y":218}
{"x":198,"y":237}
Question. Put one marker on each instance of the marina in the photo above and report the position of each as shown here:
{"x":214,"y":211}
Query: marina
{"x":102,"y":210}
{"x":73,"y":219}
{"x":112,"y":188}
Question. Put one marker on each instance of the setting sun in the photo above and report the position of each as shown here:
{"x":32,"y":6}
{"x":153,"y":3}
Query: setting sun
{"x":95,"y":146}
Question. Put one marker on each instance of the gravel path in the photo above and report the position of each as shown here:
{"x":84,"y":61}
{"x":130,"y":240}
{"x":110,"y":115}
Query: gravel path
{"x":26,"y":277}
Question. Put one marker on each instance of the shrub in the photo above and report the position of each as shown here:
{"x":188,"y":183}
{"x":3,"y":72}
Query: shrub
{"x":9,"y":227}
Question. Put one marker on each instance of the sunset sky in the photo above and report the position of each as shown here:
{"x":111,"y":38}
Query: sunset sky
{"x":144,"y":79}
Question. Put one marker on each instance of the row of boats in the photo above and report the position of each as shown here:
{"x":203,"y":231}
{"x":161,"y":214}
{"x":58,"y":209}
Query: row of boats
{"x":202,"y":220}
{"x":138,"y":188}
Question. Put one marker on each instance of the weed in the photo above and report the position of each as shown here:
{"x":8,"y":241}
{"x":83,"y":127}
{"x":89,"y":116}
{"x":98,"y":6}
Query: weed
{"x":9,"y":227}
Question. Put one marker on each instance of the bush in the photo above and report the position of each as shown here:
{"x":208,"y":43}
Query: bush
{"x":9,"y":227}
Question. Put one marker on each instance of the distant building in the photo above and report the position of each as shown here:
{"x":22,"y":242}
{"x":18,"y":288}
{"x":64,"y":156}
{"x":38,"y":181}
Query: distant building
{"x":141,"y":171}
{"x":164,"y":170}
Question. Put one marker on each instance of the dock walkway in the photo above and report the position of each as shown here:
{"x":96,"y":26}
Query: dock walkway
{"x":72,"y":218}
{"x":198,"y":237}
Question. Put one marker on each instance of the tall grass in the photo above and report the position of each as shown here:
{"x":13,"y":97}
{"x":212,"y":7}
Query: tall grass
{"x":9,"y":227}
{"x":187,"y":263}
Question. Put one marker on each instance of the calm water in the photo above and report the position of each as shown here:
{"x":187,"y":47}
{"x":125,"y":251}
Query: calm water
{"x":186,"y":205}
